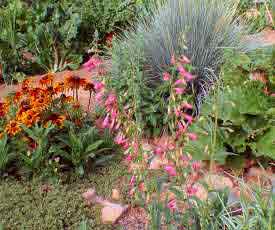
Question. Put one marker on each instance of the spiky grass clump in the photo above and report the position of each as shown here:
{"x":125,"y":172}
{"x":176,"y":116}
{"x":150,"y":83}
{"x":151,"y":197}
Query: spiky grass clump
{"x":200,"y":30}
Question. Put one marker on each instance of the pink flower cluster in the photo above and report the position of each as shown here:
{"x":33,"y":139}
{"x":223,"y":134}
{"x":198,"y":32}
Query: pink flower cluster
{"x":93,"y":63}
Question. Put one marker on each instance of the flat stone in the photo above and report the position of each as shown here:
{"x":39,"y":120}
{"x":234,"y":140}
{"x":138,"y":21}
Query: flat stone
{"x":201,"y":192}
{"x":90,"y":196}
{"x":116,"y":194}
{"x":218,"y":182}
{"x":111,"y":213}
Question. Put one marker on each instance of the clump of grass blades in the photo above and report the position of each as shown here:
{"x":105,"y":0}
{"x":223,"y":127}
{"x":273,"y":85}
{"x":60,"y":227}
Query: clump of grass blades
{"x":200,"y":30}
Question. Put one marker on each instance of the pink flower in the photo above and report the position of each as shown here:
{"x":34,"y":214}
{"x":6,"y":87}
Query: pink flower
{"x":106,"y":122}
{"x":99,"y":98}
{"x":159,"y":151}
{"x":99,"y":86}
{"x":272,"y":95}
{"x":187,"y":106}
{"x":132,"y":181}
{"x":192,"y":136}
{"x":188,"y":76}
{"x":180,"y":81}
{"x":128,"y":158}
{"x":170,"y":170}
{"x":179,"y":91}
{"x":181,"y":70}
{"x":173,"y":60}
{"x":181,"y":127}
{"x":166,"y":76}
{"x":120,"y":139}
{"x":191,"y":190}
{"x":172,"y":205}
{"x":92,"y":63}
{"x":196,"y":165}
{"x":184,"y":60}
{"x":188,"y":118}
{"x":178,"y":112}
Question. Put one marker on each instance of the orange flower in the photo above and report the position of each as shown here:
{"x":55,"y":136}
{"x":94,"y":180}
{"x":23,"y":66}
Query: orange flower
{"x":17,"y":96}
{"x":29,"y":117}
{"x":1,"y":135}
{"x":47,"y":80}
{"x":67,"y":99}
{"x":40,"y":103}
{"x":56,"y":119}
{"x":26,"y":85}
{"x":2,"y":109}
{"x":12,"y":128}
{"x":59,"y":87}
{"x":74,"y":82}
{"x":89,"y":87}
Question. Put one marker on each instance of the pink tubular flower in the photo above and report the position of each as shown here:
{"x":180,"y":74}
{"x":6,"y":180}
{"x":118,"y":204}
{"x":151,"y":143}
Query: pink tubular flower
{"x":129,"y":158}
{"x":159,"y":151}
{"x":188,"y":118}
{"x":178,"y":112}
{"x":192,"y":136}
{"x":172,"y":205}
{"x":120,"y":139}
{"x":99,"y":98}
{"x":99,"y":86}
{"x":184,"y":60}
{"x":196,"y":165}
{"x":191,"y":190}
{"x":179,"y":91}
{"x":170,"y":170}
{"x":106,"y":122}
{"x":166,"y":76}
{"x":180,"y":81}
{"x":187,"y":106}
{"x":188,"y":76}
{"x":181,"y":127}
{"x":92,"y":63}
{"x":173,"y":60}
{"x":132,"y":181}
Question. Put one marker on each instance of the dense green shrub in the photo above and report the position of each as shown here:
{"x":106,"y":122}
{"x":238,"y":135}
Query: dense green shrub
{"x":49,"y":35}
{"x":239,"y":117}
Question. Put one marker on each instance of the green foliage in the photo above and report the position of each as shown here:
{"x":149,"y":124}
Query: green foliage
{"x":34,"y":161}
{"x":5,"y":154}
{"x":215,"y":213}
{"x":240,"y":117}
{"x":82,"y":147}
{"x":53,"y":35}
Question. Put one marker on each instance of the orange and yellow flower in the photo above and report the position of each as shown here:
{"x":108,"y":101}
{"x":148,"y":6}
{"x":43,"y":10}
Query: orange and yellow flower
{"x":47,"y":80}
{"x":74,"y":82}
{"x":29,"y":117}
{"x":12,"y":128}
{"x":56,"y":119}
{"x":59,"y":87}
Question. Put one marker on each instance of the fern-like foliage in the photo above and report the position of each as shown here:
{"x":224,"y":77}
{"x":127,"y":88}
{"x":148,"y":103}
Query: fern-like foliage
{"x":200,"y":30}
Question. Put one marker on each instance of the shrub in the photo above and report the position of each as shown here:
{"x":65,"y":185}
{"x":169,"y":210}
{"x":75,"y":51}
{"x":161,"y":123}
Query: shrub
{"x":196,"y":29}
{"x":239,"y":119}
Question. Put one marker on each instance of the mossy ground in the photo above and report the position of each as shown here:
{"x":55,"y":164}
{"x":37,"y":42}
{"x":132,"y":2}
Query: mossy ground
{"x":24,"y":204}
